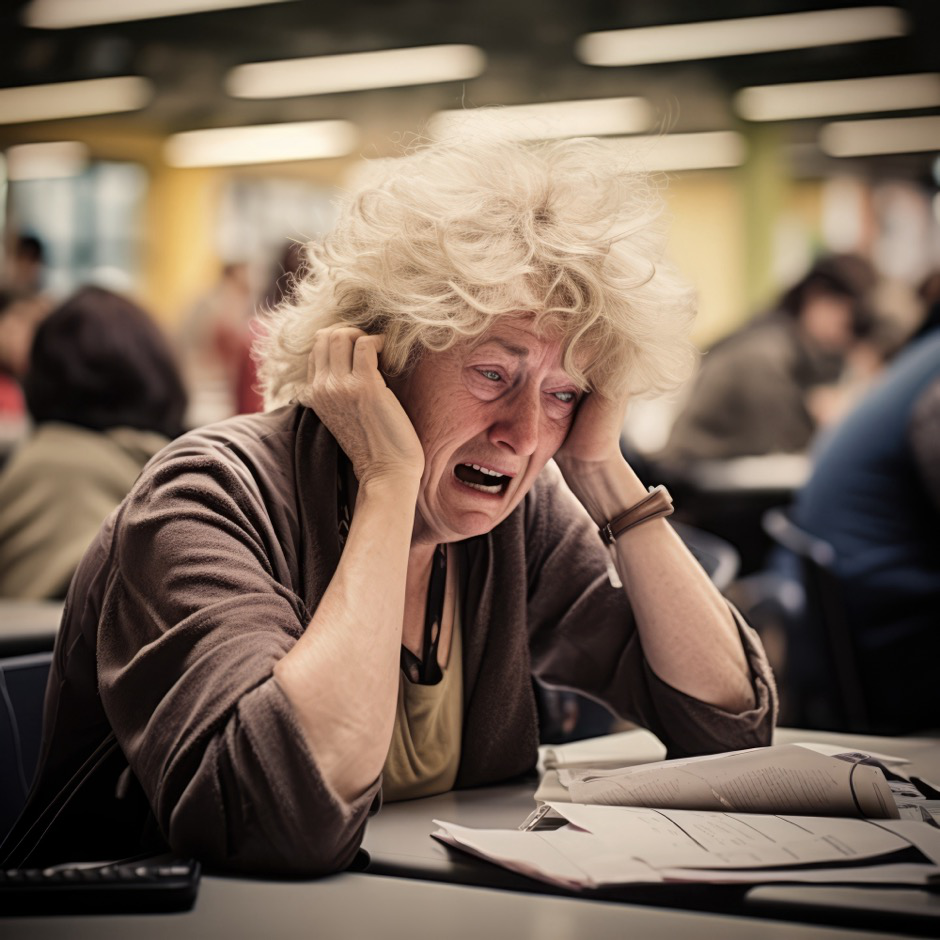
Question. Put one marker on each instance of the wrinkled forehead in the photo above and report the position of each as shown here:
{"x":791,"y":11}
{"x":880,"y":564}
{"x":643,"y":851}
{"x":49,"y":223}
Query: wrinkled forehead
{"x":524,"y":333}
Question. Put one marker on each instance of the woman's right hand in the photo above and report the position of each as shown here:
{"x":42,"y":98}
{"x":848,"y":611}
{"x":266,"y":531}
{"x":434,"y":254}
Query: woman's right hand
{"x":347,"y":391}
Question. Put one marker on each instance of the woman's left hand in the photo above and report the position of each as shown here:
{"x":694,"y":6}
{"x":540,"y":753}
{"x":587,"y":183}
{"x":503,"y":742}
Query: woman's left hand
{"x":591,"y":460}
{"x":594,"y":436}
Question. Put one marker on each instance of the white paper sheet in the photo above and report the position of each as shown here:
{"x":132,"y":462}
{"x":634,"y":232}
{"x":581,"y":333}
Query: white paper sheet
{"x":831,"y":750}
{"x":900,"y":874}
{"x":689,"y":838}
{"x":784,"y":778}
{"x":610,"y":750}
{"x":558,"y":857}
{"x":604,"y":846}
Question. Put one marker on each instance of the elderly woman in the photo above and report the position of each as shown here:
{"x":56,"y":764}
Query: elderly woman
{"x":297,"y":614}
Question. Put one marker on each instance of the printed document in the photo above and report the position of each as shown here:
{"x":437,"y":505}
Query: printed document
{"x":605,"y":846}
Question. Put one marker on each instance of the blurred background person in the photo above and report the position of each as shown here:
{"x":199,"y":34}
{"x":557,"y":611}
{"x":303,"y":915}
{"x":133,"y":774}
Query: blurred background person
{"x":874,"y":497}
{"x":212,"y":342}
{"x":26,"y":265}
{"x":288,"y":269}
{"x":757,"y":391}
{"x":20,"y":314}
{"x":15,"y":337}
{"x":105,"y":394}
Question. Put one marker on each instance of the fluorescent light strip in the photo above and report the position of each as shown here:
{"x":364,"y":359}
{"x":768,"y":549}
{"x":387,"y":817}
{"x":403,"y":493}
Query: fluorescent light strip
{"x":845,"y":96}
{"x":706,"y":150}
{"x":52,"y":160}
{"x":548,"y":120}
{"x":746,"y":36}
{"x":325,"y":74}
{"x":68,"y":14}
{"x":73,"y":99}
{"x":261,"y":143}
{"x":889,"y":135}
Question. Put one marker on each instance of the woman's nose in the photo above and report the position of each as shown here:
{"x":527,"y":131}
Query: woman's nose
{"x":517,"y":425}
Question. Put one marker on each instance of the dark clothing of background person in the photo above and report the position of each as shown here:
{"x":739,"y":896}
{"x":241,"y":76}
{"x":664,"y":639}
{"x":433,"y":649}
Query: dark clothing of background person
{"x":749,"y":397}
{"x":105,"y":394}
{"x":208,"y":574}
{"x":874,"y":495}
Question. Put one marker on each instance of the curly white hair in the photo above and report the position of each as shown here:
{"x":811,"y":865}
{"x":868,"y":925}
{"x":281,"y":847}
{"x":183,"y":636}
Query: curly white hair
{"x":453,"y":235}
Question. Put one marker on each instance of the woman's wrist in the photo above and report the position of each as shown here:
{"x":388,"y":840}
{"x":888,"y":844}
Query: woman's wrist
{"x":605,"y":488}
{"x":397,"y":486}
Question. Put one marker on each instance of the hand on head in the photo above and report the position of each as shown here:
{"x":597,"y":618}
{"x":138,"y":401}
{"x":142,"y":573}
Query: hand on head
{"x":595,"y":433}
{"x":347,"y":391}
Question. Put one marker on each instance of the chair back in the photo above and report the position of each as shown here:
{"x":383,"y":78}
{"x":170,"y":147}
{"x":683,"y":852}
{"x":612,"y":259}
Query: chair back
{"x":22,"y":693}
{"x":825,"y":614}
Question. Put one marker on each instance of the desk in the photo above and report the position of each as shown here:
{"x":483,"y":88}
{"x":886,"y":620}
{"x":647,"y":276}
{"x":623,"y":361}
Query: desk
{"x":729,"y":498}
{"x":398,"y":842}
{"x":782,"y":473}
{"x":361,"y":907}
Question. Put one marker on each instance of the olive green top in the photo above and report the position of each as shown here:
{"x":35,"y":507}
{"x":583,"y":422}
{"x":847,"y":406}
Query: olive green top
{"x":424,"y":753}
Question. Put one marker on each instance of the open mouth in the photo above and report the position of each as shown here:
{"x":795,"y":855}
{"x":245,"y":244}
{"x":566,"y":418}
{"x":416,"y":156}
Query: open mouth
{"x":481,"y":478}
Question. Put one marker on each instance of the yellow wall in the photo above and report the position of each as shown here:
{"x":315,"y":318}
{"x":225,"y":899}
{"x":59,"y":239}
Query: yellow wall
{"x":179,"y":261}
{"x":707,"y":244}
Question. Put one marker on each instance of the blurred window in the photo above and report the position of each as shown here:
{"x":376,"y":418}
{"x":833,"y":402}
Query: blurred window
{"x":90,"y":224}
{"x":257,"y":216}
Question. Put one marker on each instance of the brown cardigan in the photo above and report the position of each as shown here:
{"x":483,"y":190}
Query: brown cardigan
{"x":205,"y":577}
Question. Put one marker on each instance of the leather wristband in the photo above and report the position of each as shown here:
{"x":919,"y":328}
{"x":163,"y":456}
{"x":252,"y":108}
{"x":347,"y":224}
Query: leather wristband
{"x":658,"y":503}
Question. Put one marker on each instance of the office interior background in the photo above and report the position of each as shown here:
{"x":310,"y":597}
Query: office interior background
{"x":172,"y":149}
{"x":777,"y":139}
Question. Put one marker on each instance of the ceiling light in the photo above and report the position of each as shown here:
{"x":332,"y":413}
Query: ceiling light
{"x":261,"y":143}
{"x":888,"y":135}
{"x":549,"y":120}
{"x":73,"y":99}
{"x":325,"y":74}
{"x":53,"y":160}
{"x":706,"y":150}
{"x":846,"y":96}
{"x":716,"y":38}
{"x":67,"y":14}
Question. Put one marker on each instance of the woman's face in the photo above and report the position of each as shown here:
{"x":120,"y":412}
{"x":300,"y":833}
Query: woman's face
{"x":489,"y":414}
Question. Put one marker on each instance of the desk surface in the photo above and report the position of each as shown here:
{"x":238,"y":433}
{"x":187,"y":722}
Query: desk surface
{"x":742,"y":475}
{"x":364,"y":906}
{"x":398,"y":842}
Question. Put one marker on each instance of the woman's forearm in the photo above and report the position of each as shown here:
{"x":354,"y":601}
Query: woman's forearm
{"x":687,"y":630}
{"x":342,"y":675}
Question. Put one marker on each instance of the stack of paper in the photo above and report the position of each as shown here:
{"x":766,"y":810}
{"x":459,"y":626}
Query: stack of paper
{"x":762,"y":815}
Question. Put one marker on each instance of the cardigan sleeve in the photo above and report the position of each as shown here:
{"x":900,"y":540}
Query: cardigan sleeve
{"x":195,"y":617}
{"x":583,"y":636}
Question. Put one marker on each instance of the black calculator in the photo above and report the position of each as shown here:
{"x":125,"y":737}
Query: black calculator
{"x":155,"y":884}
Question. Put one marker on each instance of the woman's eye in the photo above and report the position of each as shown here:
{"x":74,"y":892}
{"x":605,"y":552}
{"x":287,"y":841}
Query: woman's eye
{"x":491,"y":374}
{"x":566,"y":397}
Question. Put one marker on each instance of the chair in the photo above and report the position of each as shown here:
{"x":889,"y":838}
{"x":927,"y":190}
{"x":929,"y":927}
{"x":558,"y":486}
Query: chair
{"x":824,"y":617}
{"x":22,"y":693}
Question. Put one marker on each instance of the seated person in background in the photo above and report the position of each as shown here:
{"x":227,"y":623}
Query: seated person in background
{"x":20,"y":314}
{"x":104,"y":394}
{"x":874,"y":496}
{"x":754,"y":391}
{"x":297,"y":614}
